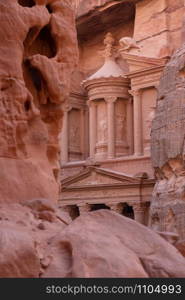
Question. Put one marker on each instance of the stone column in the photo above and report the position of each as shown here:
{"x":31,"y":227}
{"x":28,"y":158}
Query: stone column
{"x":130,"y":125}
{"x":64,"y":136}
{"x":86,"y":134}
{"x":116,"y":207}
{"x":111,"y":126}
{"x":92,"y":128}
{"x":139,"y":212}
{"x":82,"y":133}
{"x":84,"y":208}
{"x":137,"y":122}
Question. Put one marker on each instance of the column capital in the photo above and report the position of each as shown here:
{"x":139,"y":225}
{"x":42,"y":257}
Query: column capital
{"x":110,"y":99}
{"x":91,"y":103}
{"x":135,"y":93}
{"x":66,"y":107}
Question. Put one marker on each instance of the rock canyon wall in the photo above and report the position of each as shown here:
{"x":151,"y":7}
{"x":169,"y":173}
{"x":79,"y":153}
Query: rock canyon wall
{"x":37,"y":55}
{"x":168,"y":204}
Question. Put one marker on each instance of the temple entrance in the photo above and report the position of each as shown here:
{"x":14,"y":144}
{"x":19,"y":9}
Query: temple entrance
{"x":99,"y":206}
{"x":128,"y":211}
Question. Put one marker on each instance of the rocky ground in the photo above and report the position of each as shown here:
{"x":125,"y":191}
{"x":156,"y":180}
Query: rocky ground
{"x":38,"y":240}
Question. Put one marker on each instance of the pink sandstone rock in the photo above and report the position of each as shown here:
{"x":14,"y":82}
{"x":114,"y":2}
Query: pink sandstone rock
{"x":97,"y":244}
{"x":18,"y":256}
{"x":24,"y":238}
{"x":105,"y":244}
{"x":38,"y":53}
{"x":167,"y":211}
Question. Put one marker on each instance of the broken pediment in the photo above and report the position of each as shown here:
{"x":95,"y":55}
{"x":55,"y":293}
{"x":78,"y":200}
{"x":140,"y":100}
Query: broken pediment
{"x":138,"y":62}
{"x":93,"y":177}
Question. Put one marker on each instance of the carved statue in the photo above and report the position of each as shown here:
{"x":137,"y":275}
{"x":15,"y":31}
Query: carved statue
{"x":103,"y":131}
{"x":149,"y":120}
{"x":155,"y":222}
{"x":109,"y":45}
{"x":128,"y":43}
{"x":170,"y":222}
{"x":120,"y":121}
{"x":75,"y":136}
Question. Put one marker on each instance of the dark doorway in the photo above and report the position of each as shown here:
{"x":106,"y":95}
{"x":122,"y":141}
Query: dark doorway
{"x":99,"y":206}
{"x":74,"y":211}
{"x":128,"y":211}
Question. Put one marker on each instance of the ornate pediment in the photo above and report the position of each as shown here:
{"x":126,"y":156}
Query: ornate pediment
{"x":94,"y":177}
{"x":138,"y":63}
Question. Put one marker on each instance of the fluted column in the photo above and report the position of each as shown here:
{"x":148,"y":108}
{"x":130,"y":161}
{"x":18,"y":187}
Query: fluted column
{"x":64,"y":136}
{"x":111,"y":126}
{"x":137,"y":122}
{"x":82,"y":132}
{"x":139,"y":212}
{"x":92,"y":128}
{"x":86,"y":134}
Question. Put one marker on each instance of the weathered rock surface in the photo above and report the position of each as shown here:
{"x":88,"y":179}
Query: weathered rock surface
{"x":168,"y":204}
{"x":97,"y":244}
{"x":105,"y":244}
{"x":38,"y":52}
{"x":87,"y":6}
{"x":25,"y":232}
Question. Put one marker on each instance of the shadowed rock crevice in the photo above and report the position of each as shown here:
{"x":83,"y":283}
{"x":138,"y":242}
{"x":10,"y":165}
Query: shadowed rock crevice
{"x":40,"y":42}
{"x":26,"y":3}
{"x":49,"y":8}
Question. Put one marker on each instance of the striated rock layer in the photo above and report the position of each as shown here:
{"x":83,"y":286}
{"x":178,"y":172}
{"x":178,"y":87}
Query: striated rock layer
{"x":168,"y":203}
{"x":38,"y":52}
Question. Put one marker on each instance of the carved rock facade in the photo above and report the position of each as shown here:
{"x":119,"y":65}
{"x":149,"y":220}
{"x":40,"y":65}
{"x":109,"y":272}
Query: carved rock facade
{"x":124,"y":47}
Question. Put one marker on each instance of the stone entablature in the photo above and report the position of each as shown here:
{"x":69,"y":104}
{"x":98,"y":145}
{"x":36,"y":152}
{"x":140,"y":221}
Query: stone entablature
{"x":105,"y":87}
{"x":97,"y":185}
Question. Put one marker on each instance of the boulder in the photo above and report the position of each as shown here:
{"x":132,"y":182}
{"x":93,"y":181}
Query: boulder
{"x":105,"y":244}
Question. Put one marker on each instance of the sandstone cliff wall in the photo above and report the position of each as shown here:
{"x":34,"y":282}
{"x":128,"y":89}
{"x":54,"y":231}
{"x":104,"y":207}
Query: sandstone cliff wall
{"x":38,"y":52}
{"x":168,"y":204}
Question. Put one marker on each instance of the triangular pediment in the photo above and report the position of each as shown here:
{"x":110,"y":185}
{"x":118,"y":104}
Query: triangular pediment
{"x":137,"y":63}
{"x":93,"y":177}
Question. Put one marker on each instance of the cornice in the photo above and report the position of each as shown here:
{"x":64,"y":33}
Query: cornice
{"x":107,"y":82}
{"x":146,"y":71}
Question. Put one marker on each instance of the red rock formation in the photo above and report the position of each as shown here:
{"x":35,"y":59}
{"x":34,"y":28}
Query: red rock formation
{"x":168,"y":203}
{"x":98,"y":244}
{"x":38,"y":52}
{"x":105,"y":244}
{"x":24,"y":235}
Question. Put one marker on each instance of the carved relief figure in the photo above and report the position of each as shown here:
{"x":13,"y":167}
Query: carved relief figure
{"x":155,"y":222}
{"x":75,"y":136}
{"x":127,"y":43}
{"x":103,"y":130}
{"x":149,"y":120}
{"x":102,"y":123}
{"x":170,"y":221}
{"x":120,"y":126}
